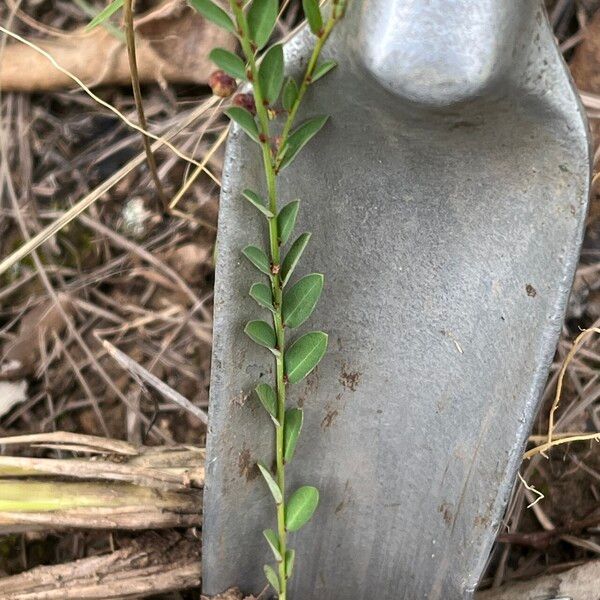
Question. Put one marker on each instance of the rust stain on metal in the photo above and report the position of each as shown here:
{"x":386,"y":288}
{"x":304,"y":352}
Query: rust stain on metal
{"x":446,"y":511}
{"x":246,"y":466}
{"x":328,"y":419}
{"x":481,"y":521}
{"x":347,"y":498}
{"x":240,"y":399}
{"x":349,"y":379}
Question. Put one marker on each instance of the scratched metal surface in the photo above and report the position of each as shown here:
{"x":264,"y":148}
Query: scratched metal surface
{"x":447,"y":198}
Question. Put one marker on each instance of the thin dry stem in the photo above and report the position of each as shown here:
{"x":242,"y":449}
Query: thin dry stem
{"x":551,"y":439}
{"x":139,"y":103}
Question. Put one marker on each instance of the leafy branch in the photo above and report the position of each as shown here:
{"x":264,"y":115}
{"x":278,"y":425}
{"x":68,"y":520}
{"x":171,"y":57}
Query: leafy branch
{"x":289,"y":305}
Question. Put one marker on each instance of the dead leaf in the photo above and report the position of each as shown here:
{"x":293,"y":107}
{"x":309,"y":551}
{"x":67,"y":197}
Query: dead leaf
{"x":191,"y":261}
{"x":172,"y":46}
{"x":41,"y":320}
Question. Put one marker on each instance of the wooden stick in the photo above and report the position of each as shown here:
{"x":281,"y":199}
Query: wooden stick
{"x":153,"y":564}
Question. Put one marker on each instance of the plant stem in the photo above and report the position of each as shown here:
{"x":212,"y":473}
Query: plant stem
{"x":270,"y":164}
{"x":276,"y":289}
{"x":137,"y":96}
{"x":276,"y":286}
{"x":336,"y":14}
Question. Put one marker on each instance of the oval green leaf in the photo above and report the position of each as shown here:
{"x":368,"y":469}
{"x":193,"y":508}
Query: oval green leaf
{"x":290,"y":555}
{"x":300,"y":137}
{"x":258,"y":258}
{"x":290,"y":93}
{"x":273,"y":487}
{"x":258,"y":202}
{"x":286,"y":220}
{"x":323,"y":69}
{"x":270,"y":73}
{"x":263,"y":295}
{"x":301,"y":507}
{"x":262,"y":17}
{"x":273,"y":542}
{"x":304,"y":355}
{"x":272,"y":577}
{"x":300,"y":300}
{"x":209,"y":10}
{"x":230,"y":63}
{"x":294,"y":418}
{"x":293,"y":256}
{"x":261,"y":333}
{"x":313,"y":15}
{"x":245,"y":120}
{"x":266,"y":395}
{"x":105,"y":14}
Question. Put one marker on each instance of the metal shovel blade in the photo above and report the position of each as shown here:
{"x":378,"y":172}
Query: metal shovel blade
{"x":447,"y":198}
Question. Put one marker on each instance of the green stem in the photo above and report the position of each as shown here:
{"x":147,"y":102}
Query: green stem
{"x":276,"y":285}
{"x":270,"y":163}
{"x":137,"y":96}
{"x":336,"y":14}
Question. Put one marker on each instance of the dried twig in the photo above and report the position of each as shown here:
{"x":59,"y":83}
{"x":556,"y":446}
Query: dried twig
{"x":137,"y":96}
{"x":150,"y":565}
{"x":551,"y":440}
{"x":144,"y":376}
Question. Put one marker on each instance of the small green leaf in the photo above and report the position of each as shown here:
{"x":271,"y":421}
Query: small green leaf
{"x":258,"y":258}
{"x":262,"y":17}
{"x":270,"y":73}
{"x":304,"y":355}
{"x":261,"y":333}
{"x":258,"y":202}
{"x":286,"y":219}
{"x":301,"y":507}
{"x":300,"y":137}
{"x":105,"y":14}
{"x":271,"y":483}
{"x":293,"y":256}
{"x":273,"y":542}
{"x":230,"y":63}
{"x":300,"y":300}
{"x":262,"y":294}
{"x":272,"y":577}
{"x":313,"y":15}
{"x":209,"y":10}
{"x":267,"y":397}
{"x":294,"y":418}
{"x":290,"y":93}
{"x":290,"y":555}
{"x":245,"y":120}
{"x":323,"y":69}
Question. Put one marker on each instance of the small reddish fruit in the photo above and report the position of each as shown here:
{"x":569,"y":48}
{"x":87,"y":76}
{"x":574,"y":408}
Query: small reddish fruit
{"x":245,"y":101}
{"x":222,"y":84}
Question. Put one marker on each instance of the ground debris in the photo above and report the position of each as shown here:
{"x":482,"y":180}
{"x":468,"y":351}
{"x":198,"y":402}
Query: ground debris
{"x":173,"y":43}
{"x":150,"y":564}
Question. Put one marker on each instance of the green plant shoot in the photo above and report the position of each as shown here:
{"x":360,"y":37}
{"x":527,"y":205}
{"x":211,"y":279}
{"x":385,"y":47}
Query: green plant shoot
{"x":287,"y":304}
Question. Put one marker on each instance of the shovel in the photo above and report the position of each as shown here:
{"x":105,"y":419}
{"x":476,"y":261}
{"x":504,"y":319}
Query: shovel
{"x":447,"y":197}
